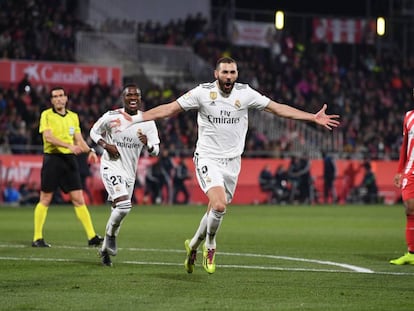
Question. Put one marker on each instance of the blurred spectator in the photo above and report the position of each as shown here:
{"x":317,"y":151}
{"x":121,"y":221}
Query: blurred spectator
{"x":153,"y":184}
{"x":350,"y":173}
{"x":167,"y":167}
{"x":181,"y":174}
{"x":282,"y":186}
{"x":368,"y":188}
{"x":11,"y":194}
{"x":329,"y":175}
{"x":30,"y":193}
{"x":18,"y":138}
{"x":300,"y":177}
{"x":24,"y":85}
{"x":266,"y":182}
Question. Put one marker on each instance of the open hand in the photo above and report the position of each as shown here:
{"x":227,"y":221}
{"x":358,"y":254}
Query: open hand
{"x":326,"y":120}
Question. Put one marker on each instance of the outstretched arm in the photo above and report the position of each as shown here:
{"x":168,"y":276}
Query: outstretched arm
{"x":286,"y":111}
{"x":162,"y":111}
{"x":159,"y":112}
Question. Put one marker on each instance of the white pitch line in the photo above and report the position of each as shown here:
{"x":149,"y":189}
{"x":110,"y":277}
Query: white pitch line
{"x":350,"y":268}
{"x":330,"y":263}
{"x":148,"y":263}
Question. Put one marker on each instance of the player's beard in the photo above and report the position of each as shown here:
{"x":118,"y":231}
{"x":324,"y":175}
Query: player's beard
{"x":226,"y":86}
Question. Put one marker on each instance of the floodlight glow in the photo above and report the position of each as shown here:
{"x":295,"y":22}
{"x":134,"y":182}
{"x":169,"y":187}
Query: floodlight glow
{"x":279,"y":20}
{"x":380,"y":26}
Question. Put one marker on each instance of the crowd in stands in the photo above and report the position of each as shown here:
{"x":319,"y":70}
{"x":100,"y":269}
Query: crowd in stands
{"x":181,"y":32}
{"x":38,"y":30}
{"x":371,"y":92}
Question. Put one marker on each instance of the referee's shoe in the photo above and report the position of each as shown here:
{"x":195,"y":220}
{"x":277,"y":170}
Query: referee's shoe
{"x":95,"y":241}
{"x":40,"y":243}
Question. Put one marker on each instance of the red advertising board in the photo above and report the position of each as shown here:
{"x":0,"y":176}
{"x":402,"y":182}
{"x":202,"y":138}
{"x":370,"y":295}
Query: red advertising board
{"x":26,"y":168}
{"x":72,"y":75}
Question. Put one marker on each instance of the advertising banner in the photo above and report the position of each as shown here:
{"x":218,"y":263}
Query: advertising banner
{"x":342,"y":30}
{"x":71,"y":75}
{"x":252,"y":33}
{"x":26,"y":169}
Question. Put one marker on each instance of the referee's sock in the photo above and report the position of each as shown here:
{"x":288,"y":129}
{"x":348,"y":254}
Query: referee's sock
{"x":40,"y":213}
{"x":85,"y":218}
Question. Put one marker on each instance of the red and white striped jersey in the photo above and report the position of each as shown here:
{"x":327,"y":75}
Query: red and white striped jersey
{"x":406,"y":162}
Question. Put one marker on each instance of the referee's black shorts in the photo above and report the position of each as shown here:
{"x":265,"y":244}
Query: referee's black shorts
{"x":60,"y":170}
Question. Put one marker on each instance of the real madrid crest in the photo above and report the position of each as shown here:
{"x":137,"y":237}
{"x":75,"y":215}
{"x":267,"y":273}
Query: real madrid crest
{"x":237,"y":104}
{"x":213,"y":95}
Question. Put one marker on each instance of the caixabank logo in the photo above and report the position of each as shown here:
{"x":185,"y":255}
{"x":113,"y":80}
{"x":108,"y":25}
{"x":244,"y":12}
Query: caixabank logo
{"x":51,"y":73}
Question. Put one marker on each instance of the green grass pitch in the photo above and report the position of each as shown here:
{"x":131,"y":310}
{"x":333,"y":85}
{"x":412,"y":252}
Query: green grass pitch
{"x":268,"y":258}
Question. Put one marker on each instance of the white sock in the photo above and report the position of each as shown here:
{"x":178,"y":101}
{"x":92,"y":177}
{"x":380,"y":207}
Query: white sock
{"x":200,"y":234}
{"x":118,"y":213}
{"x":214,"y":219}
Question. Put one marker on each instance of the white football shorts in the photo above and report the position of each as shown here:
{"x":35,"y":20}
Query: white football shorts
{"x":223,"y":172}
{"x":116,"y":184}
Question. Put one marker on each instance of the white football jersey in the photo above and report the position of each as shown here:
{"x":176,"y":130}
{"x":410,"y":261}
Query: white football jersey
{"x":117,"y":131}
{"x":222,"y":120}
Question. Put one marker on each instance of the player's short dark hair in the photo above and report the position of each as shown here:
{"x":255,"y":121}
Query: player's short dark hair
{"x":56,"y":88}
{"x":225,"y":60}
{"x":130,"y":85}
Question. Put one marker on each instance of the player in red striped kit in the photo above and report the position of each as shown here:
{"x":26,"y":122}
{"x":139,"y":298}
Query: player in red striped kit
{"x":404,"y":179}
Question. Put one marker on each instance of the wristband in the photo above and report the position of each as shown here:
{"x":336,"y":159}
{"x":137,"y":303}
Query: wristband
{"x":92,"y":150}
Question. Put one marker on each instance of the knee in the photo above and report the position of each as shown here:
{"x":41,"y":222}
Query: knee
{"x":123,"y":207}
{"x":45,"y":198}
{"x":219,"y":206}
{"x":77,"y":197}
{"x":409,"y":207}
{"x":409,"y":210}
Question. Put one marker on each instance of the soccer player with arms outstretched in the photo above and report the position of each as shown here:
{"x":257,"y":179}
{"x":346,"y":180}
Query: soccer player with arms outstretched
{"x":222,"y":120}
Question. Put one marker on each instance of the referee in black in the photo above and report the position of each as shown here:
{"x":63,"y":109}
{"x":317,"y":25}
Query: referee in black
{"x":62,"y":142}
